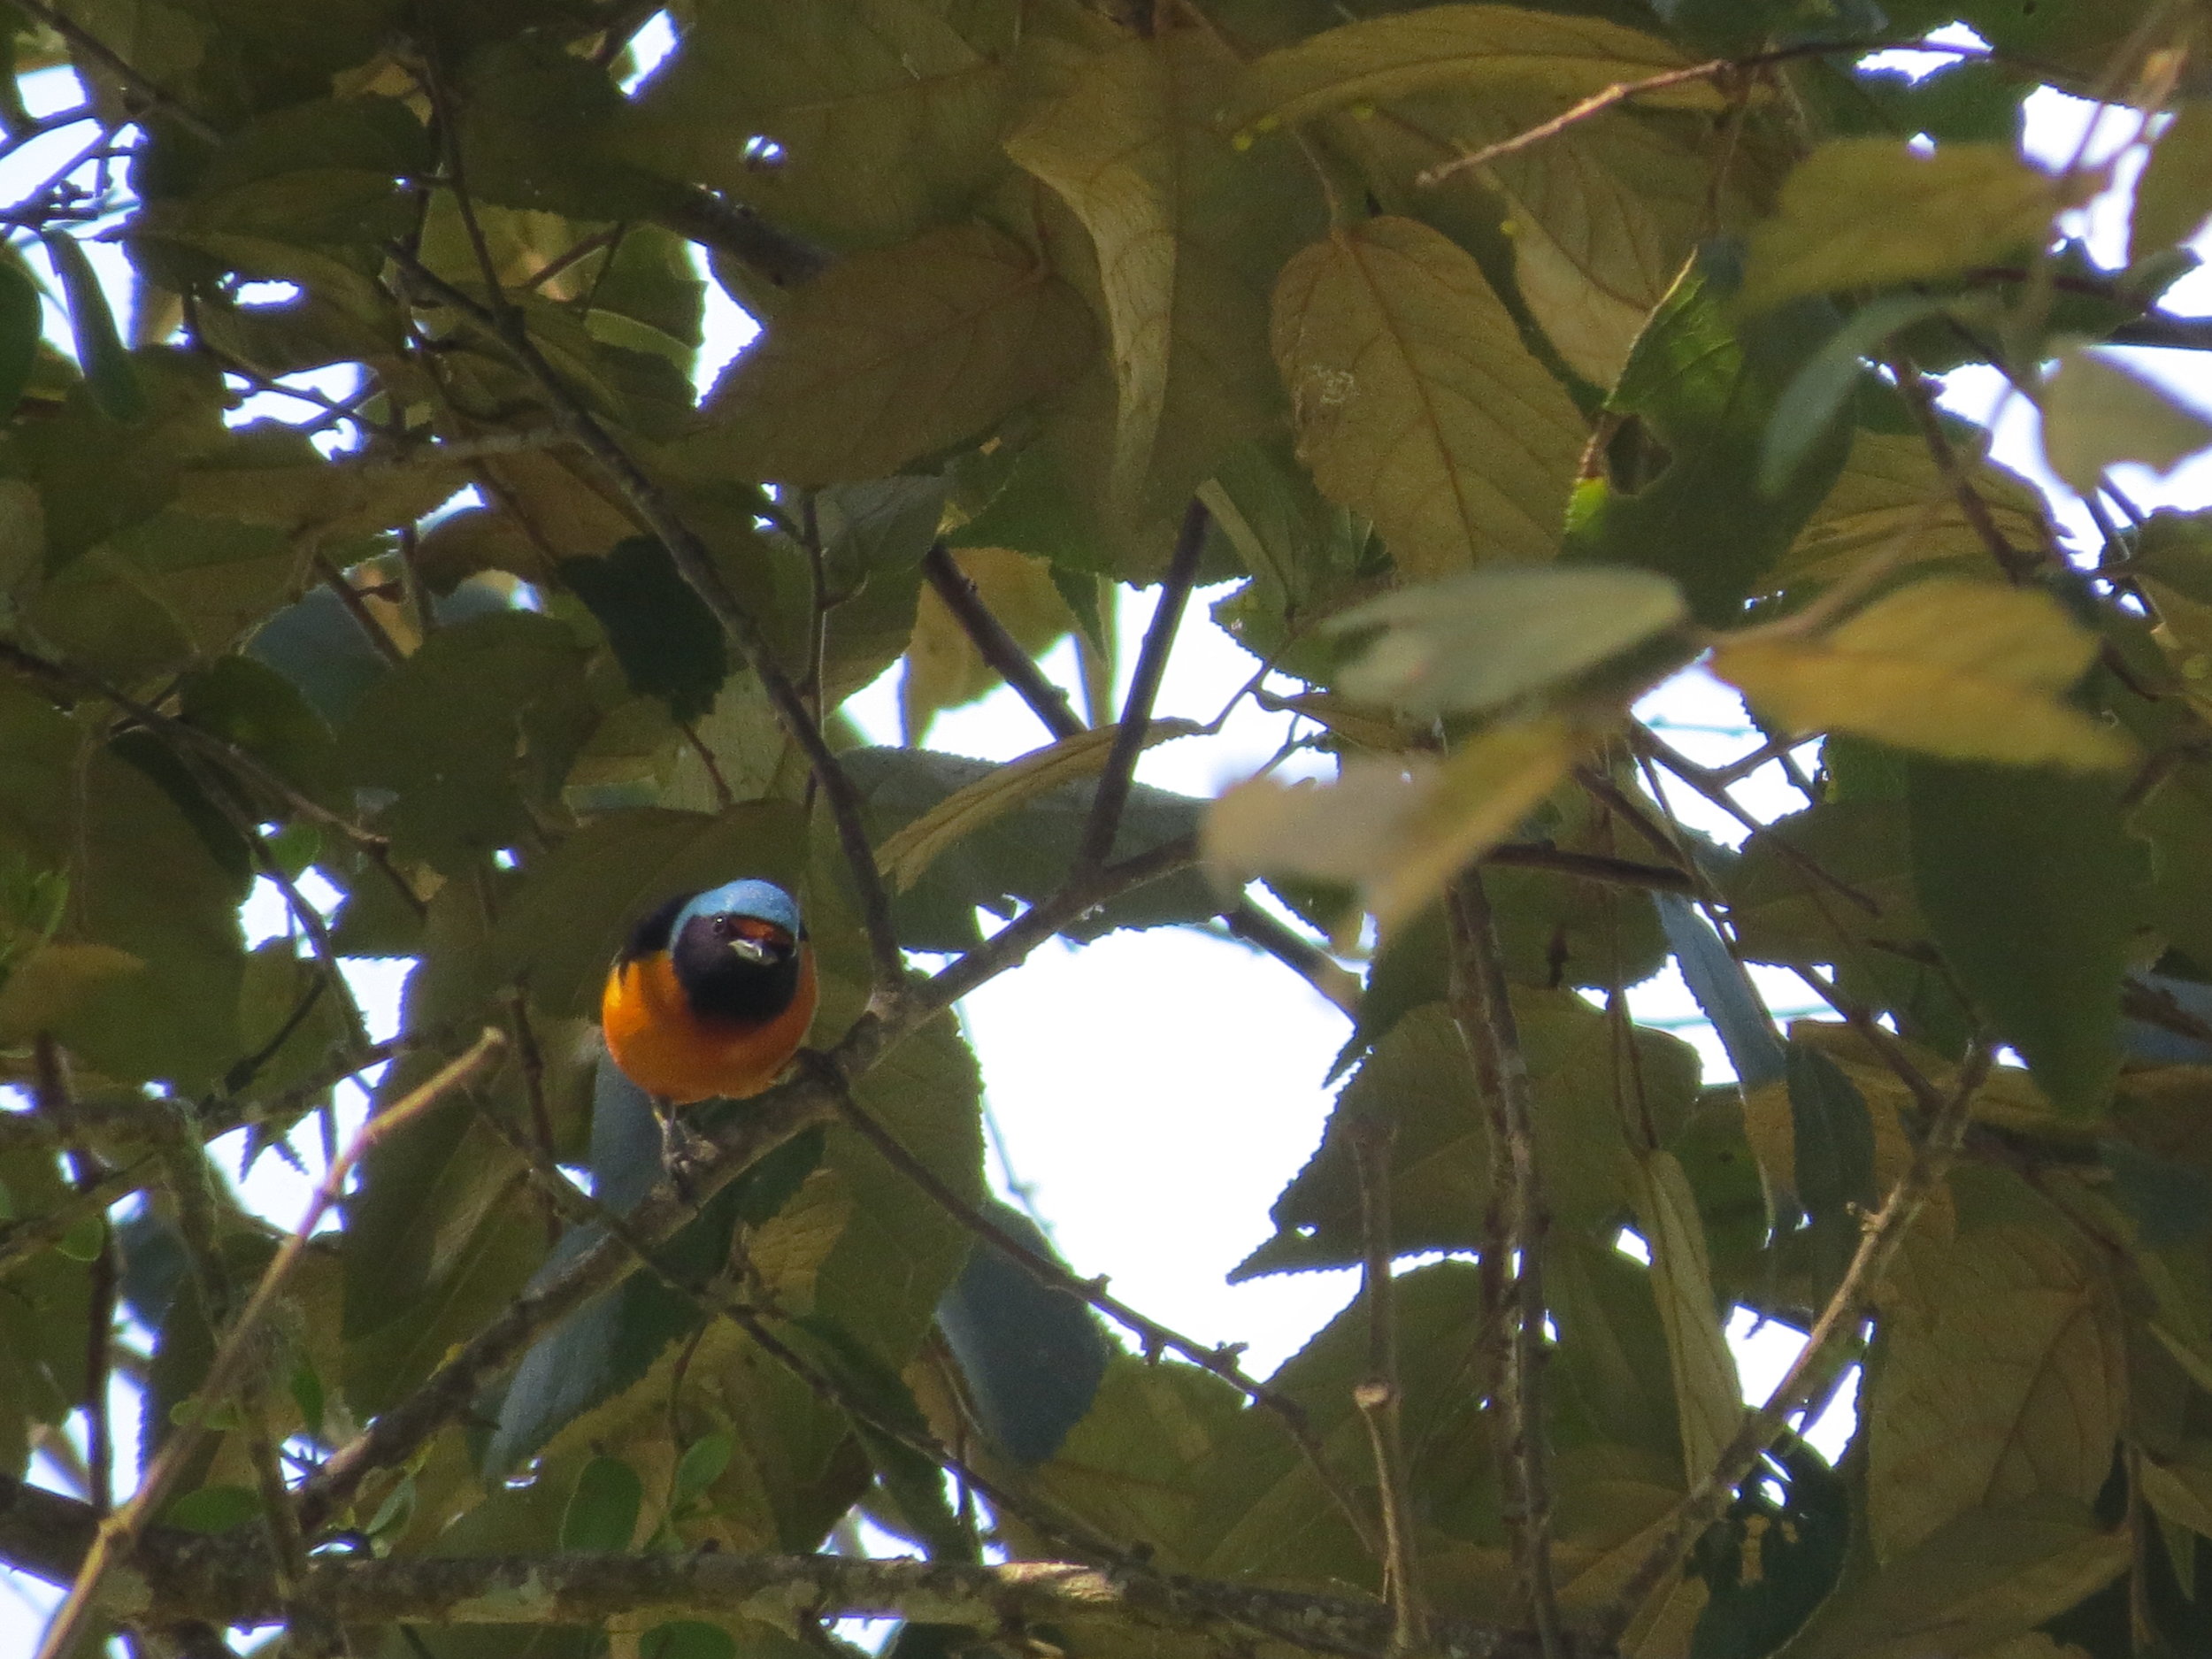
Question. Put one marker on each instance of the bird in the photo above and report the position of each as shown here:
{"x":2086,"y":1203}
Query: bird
{"x":710,"y":996}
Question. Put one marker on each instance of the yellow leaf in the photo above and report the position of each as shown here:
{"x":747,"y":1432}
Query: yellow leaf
{"x":1188,"y":232}
{"x":1708,"y":1399}
{"x":1398,"y":831}
{"x":45,"y":985}
{"x":2179,"y":1491}
{"x":894,"y":354}
{"x":1966,"y":670}
{"x":1603,"y":218}
{"x":2002,"y":1379}
{"x":1868,"y":213}
{"x":1890,"y":486}
{"x":1449,"y":48}
{"x":1417,"y":404}
{"x":906,"y":855}
{"x":2099,"y":413}
{"x":943,"y":667}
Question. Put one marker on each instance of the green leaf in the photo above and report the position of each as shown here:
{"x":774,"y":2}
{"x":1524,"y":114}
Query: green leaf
{"x":2172,"y":200}
{"x":906,"y":855}
{"x":892,"y":356}
{"x":1033,"y":1356}
{"x":1869,"y":212}
{"x":213,"y":1509}
{"x":1687,"y":425}
{"x":1770,"y":1564}
{"x":2031,"y":886}
{"x":1022,"y":858}
{"x":1449,"y":48}
{"x":882,"y":1408}
{"x":603,"y":1508}
{"x":1416,"y":402}
{"x":700,"y":1467}
{"x":1708,"y":1397}
{"x":2098,"y":413}
{"x":687,"y":1639}
{"x":669,"y":643}
{"x":1806,"y":413}
{"x":469,"y":732}
{"x":101,"y":352}
{"x":1418,"y":1079}
{"x":1468,"y":643}
{"x":22,"y":323}
{"x":1189,"y":235}
{"x":883,"y":120}
{"x":141,"y":882}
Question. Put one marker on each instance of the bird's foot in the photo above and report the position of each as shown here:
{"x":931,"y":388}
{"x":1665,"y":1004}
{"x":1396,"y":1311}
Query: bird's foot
{"x":684,"y":1152}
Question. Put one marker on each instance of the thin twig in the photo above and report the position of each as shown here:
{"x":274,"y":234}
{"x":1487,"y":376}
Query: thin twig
{"x":1620,"y":872}
{"x":1114,"y":783}
{"x":57,"y":1103}
{"x":1482,"y":1008}
{"x":1377,"y":1395}
{"x":1826,"y":1351}
{"x":1049,"y":703}
{"x":1156,"y":1337}
{"x":108,"y":58}
{"x":240,"y":1347}
{"x":371,"y":624}
{"x":2017,"y":564}
{"x":1315,"y":966}
{"x":1622,"y":91}
{"x":69,"y":678}
{"x":997,"y":646}
{"x":695,"y":562}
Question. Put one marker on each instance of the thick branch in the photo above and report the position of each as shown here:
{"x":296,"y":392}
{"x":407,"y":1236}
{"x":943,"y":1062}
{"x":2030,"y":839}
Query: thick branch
{"x":183,"y":1576}
{"x":1482,"y":1008}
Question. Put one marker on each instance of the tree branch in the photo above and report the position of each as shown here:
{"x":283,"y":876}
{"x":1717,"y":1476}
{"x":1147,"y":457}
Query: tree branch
{"x":770,"y":1119}
{"x":191,"y":1576}
{"x":1144,"y":690}
{"x":695,"y":562}
{"x":237,"y":1351}
{"x":1482,"y":1008}
{"x":1826,"y":1351}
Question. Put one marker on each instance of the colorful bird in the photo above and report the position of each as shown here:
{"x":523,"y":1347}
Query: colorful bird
{"x":712,"y":995}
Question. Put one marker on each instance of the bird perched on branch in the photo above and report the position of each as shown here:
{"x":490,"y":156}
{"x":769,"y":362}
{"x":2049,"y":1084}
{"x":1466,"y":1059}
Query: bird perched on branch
{"x":712,"y":995}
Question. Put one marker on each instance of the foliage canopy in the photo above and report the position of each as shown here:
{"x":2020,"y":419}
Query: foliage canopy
{"x":1510,"y":360}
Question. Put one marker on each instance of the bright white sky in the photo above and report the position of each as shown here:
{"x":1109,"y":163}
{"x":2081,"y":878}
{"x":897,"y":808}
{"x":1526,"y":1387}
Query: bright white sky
{"x":1154,"y":1154}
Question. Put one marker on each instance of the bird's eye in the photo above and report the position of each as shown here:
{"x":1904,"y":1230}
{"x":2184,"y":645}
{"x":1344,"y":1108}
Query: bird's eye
{"x":721,"y":925}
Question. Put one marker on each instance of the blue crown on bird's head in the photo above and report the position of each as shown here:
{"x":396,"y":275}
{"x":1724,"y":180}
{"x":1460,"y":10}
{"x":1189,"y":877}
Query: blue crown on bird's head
{"x":763,"y":901}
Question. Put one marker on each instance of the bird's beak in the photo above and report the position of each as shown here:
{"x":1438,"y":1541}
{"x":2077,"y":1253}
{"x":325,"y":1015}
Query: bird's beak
{"x":753,"y":951}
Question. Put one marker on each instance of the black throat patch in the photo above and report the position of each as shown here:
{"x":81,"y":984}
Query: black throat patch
{"x":724,"y":984}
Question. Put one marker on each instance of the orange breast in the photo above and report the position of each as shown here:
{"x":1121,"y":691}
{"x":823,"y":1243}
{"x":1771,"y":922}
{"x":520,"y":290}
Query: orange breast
{"x":667,"y":1050}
